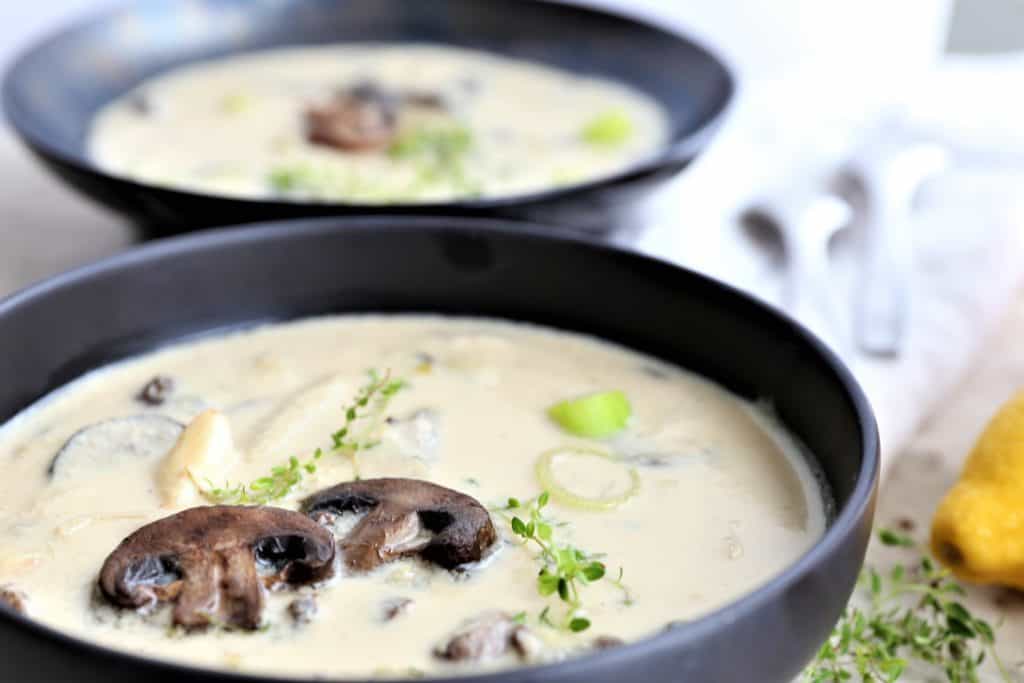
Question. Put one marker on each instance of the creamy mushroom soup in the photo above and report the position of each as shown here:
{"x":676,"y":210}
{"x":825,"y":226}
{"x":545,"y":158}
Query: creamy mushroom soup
{"x":374,"y":124}
{"x":392,"y":496}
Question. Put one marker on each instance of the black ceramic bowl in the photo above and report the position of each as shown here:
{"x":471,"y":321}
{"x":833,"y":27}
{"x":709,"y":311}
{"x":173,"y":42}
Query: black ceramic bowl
{"x":53,"y":332}
{"x":53,"y":90}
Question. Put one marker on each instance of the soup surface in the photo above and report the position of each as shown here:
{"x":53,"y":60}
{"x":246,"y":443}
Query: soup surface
{"x":688,"y":498}
{"x":374,"y":124}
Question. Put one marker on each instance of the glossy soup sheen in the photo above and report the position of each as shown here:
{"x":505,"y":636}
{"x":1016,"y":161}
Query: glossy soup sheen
{"x":725,"y":499}
{"x":469,"y":125}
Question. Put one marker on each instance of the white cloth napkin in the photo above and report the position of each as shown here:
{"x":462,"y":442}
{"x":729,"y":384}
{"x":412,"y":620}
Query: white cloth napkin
{"x":968,"y":229}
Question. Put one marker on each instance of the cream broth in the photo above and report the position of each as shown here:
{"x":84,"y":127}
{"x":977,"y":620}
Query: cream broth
{"x":374,"y":124}
{"x":725,"y":498}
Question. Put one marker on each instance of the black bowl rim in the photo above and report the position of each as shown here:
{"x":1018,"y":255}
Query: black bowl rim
{"x":675,"y":152}
{"x":846,"y":522}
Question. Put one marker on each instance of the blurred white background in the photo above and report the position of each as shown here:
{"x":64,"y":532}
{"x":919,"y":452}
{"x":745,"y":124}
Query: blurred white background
{"x":979,"y":25}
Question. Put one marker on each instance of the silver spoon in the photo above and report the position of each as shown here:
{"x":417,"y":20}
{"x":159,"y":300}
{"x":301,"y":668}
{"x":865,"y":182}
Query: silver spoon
{"x":805,"y":222}
{"x":882,"y":181}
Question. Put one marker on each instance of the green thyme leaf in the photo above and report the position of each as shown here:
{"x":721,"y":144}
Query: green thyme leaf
{"x":892,"y":538}
{"x":908,"y":616}
{"x":565,"y":569}
{"x":579,"y":624}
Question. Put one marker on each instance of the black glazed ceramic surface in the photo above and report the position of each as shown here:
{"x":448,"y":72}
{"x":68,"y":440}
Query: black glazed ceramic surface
{"x":57,"y":330}
{"x":52,"y":91}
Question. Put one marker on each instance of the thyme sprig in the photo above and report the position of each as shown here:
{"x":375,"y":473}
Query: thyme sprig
{"x":908,"y":615}
{"x":278,"y":484}
{"x":370,"y":402}
{"x":565,"y":569}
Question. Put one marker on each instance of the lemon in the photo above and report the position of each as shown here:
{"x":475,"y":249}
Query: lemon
{"x":978,"y":529}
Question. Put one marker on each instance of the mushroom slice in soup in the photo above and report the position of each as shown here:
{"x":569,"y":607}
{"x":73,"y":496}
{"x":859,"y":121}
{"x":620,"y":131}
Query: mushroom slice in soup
{"x":156,"y":390}
{"x":13,"y":599}
{"x":406,"y":517}
{"x":393,"y":608}
{"x":105,"y":444}
{"x":303,"y":610}
{"x":362,"y":118}
{"x":489,"y":636}
{"x":214,"y":562}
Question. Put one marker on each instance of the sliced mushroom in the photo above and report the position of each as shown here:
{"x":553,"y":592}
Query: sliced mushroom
{"x":303,"y":610}
{"x":13,"y":599}
{"x":407,"y":517}
{"x":362,"y":118}
{"x":426,"y":99}
{"x":214,"y":563}
{"x":156,"y":390}
{"x":106,"y":444}
{"x":489,"y":636}
{"x":607,"y":642}
{"x":392,"y":608}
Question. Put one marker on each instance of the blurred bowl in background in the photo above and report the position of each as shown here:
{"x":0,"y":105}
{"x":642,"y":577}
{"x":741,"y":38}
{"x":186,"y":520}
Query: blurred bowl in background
{"x":53,"y":90}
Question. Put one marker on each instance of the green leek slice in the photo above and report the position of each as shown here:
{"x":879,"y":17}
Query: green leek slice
{"x":546,"y":476}
{"x":608,"y":129}
{"x":594,"y":415}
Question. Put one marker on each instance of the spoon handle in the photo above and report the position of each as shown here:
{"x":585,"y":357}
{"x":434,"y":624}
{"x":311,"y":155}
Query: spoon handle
{"x":891,"y":182}
{"x":881,"y":309}
{"x":808,"y":292}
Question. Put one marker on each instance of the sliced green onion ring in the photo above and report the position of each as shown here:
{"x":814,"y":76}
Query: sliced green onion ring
{"x":594,"y":415}
{"x":546,"y":477}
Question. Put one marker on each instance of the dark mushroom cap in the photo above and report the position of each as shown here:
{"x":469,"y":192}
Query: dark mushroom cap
{"x":363,"y":118}
{"x":407,"y":517}
{"x":213,"y":562}
{"x":13,"y":599}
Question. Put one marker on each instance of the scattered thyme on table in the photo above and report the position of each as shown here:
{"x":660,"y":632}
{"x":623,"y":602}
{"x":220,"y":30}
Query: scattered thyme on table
{"x":912,"y":615}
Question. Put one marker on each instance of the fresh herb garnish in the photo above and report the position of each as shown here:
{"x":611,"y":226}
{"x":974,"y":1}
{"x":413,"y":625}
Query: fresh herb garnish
{"x":295,"y":177}
{"x":439,"y":153}
{"x":565,"y":569}
{"x":369,"y":403}
{"x":627,"y":596}
{"x":278,"y":484}
{"x":441,"y":144}
{"x":911,"y":615}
